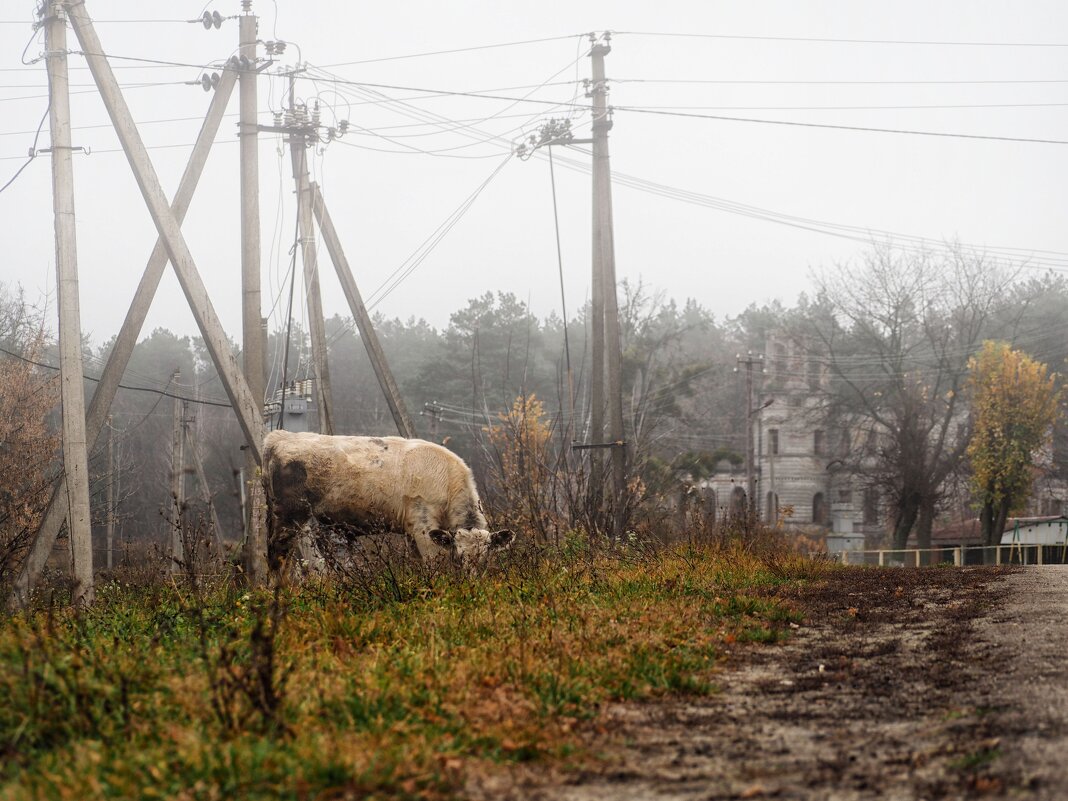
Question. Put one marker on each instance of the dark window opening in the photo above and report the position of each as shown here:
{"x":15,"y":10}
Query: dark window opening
{"x":871,"y":507}
{"x":819,"y":509}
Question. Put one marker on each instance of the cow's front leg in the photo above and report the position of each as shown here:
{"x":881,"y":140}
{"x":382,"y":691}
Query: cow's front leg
{"x":282,"y":536}
{"x":428,"y":550}
{"x":419,"y":523}
{"x":307,"y":545}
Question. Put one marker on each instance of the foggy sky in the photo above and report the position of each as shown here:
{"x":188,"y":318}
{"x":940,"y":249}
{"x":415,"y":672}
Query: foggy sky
{"x":387,"y":196}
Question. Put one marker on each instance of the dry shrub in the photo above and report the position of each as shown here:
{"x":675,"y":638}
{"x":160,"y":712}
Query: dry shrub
{"x":531,"y":483}
{"x":28,"y":451}
{"x":371,"y":569}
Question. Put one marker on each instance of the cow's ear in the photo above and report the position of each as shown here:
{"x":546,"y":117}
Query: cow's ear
{"x":502,"y":538}
{"x":446,"y":539}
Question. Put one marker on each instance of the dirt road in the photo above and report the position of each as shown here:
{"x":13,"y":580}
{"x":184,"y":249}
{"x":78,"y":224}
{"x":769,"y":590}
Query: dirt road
{"x":902,"y":684}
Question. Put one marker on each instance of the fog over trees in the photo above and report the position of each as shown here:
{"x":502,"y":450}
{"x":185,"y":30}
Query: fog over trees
{"x":893,"y":334}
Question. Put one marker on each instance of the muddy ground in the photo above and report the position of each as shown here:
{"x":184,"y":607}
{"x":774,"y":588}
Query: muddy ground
{"x":901,"y":684}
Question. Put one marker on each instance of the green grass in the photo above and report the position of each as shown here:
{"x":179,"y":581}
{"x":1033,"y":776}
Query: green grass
{"x":976,"y":760}
{"x":160,"y":692}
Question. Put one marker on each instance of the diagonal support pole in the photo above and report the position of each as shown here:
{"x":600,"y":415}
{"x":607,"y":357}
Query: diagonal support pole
{"x":248,"y":408}
{"x":360,"y":315}
{"x":100,"y":404}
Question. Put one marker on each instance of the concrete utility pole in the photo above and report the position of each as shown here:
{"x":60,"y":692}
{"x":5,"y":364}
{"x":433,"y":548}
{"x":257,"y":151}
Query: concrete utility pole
{"x":254,"y":351}
{"x":177,"y":480}
{"x":106,"y":388}
{"x":111,"y":495}
{"x":298,"y":150}
{"x":72,"y":392}
{"x":605,"y":304}
{"x":433,"y":410}
{"x":750,"y":460}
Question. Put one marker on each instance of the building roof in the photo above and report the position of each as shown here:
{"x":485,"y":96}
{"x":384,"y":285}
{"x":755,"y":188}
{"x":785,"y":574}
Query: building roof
{"x":969,"y":532}
{"x":1037,"y":531}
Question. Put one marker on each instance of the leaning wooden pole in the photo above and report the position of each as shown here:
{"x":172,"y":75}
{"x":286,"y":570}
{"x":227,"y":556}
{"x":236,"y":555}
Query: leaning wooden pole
{"x":122,"y":349}
{"x":72,"y":391}
{"x":359,"y":313}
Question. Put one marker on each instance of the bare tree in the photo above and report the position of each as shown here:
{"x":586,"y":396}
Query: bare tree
{"x":897,"y":331}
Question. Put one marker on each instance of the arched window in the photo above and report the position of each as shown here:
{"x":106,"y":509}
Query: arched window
{"x":819,"y":509}
{"x":773,"y":441}
{"x":709,"y":499}
{"x":871,"y":506}
{"x":771,"y":509}
{"x":737,"y":501}
{"x":778,"y":359}
{"x":815,"y":373}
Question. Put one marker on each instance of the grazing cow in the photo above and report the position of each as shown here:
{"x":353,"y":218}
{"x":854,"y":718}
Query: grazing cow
{"x":372,"y":485}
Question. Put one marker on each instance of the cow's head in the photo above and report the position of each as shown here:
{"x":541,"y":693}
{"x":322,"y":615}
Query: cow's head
{"x":470,"y":546}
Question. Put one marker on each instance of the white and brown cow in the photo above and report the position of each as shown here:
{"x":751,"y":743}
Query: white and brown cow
{"x":371,"y":485}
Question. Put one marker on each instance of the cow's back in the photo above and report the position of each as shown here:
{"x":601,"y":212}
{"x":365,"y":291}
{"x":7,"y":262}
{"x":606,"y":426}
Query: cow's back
{"x":355,"y":479}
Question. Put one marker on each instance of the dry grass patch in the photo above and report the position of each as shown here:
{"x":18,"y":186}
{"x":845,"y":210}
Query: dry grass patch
{"x":371,"y":696}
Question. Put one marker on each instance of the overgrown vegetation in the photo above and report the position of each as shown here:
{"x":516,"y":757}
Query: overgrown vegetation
{"x":163,"y":689}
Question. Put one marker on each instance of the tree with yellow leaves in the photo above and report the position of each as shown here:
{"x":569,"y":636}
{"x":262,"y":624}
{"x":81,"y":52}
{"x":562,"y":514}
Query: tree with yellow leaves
{"x":1015,"y":402}
{"x":523,"y":471}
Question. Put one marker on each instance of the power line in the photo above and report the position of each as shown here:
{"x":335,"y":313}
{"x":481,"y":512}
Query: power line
{"x":454,"y":50}
{"x":935,"y":106}
{"x":1052,"y":260}
{"x":147,"y":147}
{"x":33,"y":148}
{"x":201,"y":401}
{"x":648,"y":110}
{"x":114,"y":67}
{"x":1046,"y":258}
{"x":146,"y":85}
{"x":828,"y":40}
{"x":947,"y":134}
{"x":420,"y":254}
{"x":100,"y":21}
{"x":641,"y":110}
{"x":425,"y":248}
{"x":837,"y":82}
